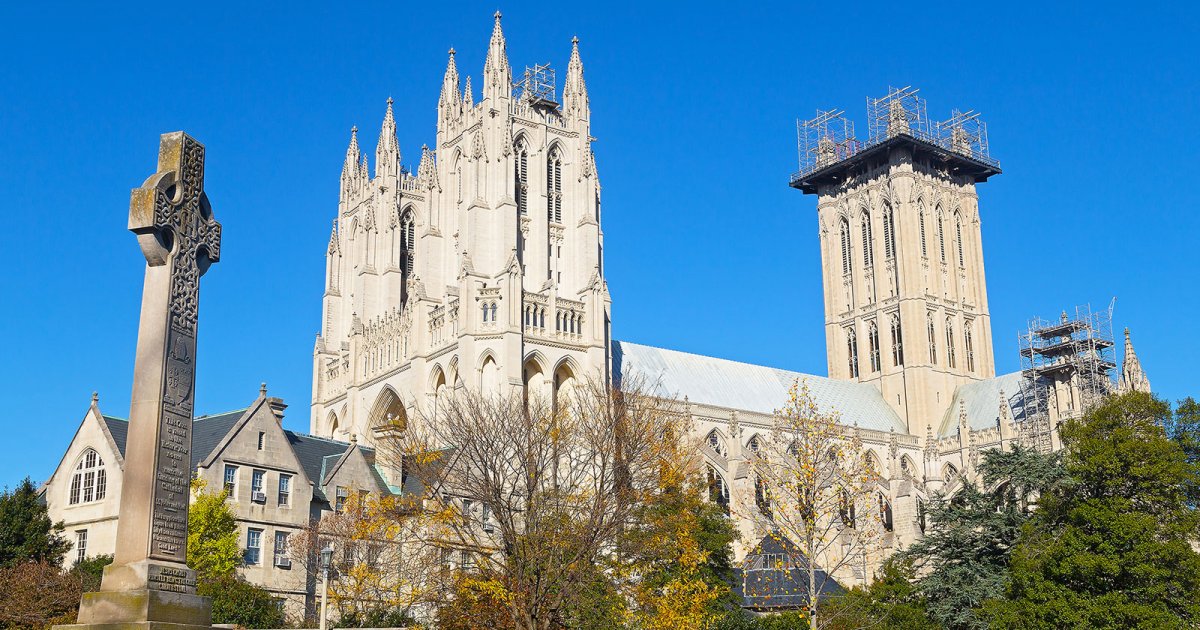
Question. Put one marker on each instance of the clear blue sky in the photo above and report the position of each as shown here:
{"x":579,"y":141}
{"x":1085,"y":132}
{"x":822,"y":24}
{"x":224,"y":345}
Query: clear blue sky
{"x":1092,"y":111}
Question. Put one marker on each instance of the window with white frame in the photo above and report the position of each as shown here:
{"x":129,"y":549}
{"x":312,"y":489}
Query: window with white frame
{"x":281,"y":546}
{"x":230,"y":479}
{"x":285,"y":489}
{"x":256,"y":486}
{"x":253,"y":553}
{"x":81,"y":539}
{"x":89,"y":481}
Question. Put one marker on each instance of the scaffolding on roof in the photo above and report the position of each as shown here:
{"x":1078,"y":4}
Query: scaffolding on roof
{"x":825,"y":139}
{"x":537,"y":85}
{"x":829,"y":137}
{"x":1067,"y":367}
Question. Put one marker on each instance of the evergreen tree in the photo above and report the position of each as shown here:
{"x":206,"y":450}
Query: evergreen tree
{"x":26,"y":532}
{"x":1184,"y":429}
{"x":891,"y":601}
{"x":964,"y":556}
{"x":1110,"y":549}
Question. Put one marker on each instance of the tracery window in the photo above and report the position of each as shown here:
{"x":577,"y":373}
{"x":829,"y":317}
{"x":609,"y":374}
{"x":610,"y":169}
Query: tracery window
{"x":941,"y":235}
{"x":522,"y":177}
{"x":889,"y":233}
{"x":897,"y":341}
{"x":921,"y":224}
{"x":874,"y":341}
{"x":554,"y":186}
{"x":868,"y":251}
{"x":852,"y":351}
{"x":408,"y":241}
{"x":958,"y":238}
{"x":932,"y":340}
{"x":715,"y":442}
{"x":969,"y":346}
{"x":718,"y":492}
{"x":950,"y":342}
{"x":885,"y":512}
{"x":845,"y":238}
{"x":89,"y":482}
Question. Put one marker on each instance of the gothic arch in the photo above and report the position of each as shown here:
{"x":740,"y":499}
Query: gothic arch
{"x":755,"y":443}
{"x":489,"y":373}
{"x":388,"y":412}
{"x":565,"y":381}
{"x":533,"y":376}
{"x":331,"y":423}
{"x":871,"y":459}
{"x":908,"y":467}
{"x":716,"y":440}
{"x":455,"y":379}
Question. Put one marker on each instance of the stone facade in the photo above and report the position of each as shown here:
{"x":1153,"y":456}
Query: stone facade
{"x":280,"y":481}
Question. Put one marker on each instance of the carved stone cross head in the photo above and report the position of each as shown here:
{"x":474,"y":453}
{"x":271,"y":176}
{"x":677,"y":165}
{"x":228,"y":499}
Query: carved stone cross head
{"x":170,"y":212}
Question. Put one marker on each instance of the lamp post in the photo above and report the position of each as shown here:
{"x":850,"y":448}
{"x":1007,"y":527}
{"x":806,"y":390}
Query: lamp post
{"x":326,"y":559}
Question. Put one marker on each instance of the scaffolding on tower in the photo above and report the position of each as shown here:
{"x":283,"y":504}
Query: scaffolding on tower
{"x":1066,"y":367}
{"x":537,"y":86}
{"x":825,"y":139}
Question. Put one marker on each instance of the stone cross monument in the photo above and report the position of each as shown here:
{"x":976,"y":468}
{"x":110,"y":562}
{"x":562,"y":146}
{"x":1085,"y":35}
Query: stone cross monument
{"x":149,"y":583}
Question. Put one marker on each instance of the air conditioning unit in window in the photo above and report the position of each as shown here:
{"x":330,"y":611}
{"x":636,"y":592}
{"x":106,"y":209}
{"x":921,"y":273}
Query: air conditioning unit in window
{"x":258,"y":497}
{"x":283,"y":562}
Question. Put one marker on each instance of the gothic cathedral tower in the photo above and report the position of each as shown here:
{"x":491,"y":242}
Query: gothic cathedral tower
{"x":902,"y":258}
{"x":482,"y":270}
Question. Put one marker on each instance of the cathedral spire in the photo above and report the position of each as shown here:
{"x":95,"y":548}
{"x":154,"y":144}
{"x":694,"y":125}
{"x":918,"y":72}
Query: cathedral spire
{"x":449,"y":106}
{"x":468,"y":95}
{"x":497,"y":75}
{"x":575,"y":97}
{"x":350,"y":166}
{"x":426,"y":175}
{"x":387,"y":152}
{"x":1133,"y":377}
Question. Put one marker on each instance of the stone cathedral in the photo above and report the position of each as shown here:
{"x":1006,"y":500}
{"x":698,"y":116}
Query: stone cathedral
{"x":483,"y":269}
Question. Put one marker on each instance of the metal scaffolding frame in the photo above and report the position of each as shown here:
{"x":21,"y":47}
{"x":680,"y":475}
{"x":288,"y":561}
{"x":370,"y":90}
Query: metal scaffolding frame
{"x":829,"y":137}
{"x":1070,"y":357}
{"x":537,"y":85}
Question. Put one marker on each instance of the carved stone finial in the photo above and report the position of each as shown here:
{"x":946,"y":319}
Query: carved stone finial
{"x":354,"y":438}
{"x":262,"y":388}
{"x":95,"y":397}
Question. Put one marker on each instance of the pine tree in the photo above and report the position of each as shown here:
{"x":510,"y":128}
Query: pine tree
{"x":26,"y":532}
{"x":1110,"y":549}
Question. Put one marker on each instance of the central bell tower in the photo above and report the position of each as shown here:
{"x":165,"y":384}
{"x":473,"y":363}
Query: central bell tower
{"x":902,"y":258}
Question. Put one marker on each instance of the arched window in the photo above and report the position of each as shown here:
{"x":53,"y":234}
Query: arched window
{"x":874,"y":341}
{"x":852,"y":351}
{"x":494,"y":312}
{"x":485,"y":312}
{"x":889,"y":233}
{"x":868,"y":251}
{"x":844,"y":233}
{"x":762,"y":496}
{"x":949,"y":342}
{"x":958,"y":236}
{"x":950,"y":474}
{"x":941,"y":234}
{"x":932,"y":340}
{"x":921,"y":223}
{"x":458,"y":179}
{"x":755,"y":444}
{"x":522,"y":176}
{"x":718,"y":492}
{"x":554,"y":186}
{"x":408,"y":245}
{"x":885,"y":513}
{"x":89,"y":482}
{"x":716,"y":443}
{"x":897,"y":341}
{"x":969,"y":346}
{"x":846,"y":509}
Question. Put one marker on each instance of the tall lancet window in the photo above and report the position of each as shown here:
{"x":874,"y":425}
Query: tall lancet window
{"x":969,"y":346}
{"x":408,"y":242}
{"x":958,"y":235}
{"x":852,"y":351}
{"x":932,"y":339}
{"x":554,"y":186}
{"x":921,"y":223}
{"x":874,"y":340}
{"x":844,"y":230}
{"x":897,"y":341}
{"x":949,"y":342}
{"x":522,"y":177}
{"x":941,"y":234}
{"x":889,"y":233}
{"x":868,"y":251}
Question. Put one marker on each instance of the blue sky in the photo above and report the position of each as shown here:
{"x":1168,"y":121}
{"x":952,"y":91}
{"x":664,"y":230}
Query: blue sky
{"x":1092,"y":111}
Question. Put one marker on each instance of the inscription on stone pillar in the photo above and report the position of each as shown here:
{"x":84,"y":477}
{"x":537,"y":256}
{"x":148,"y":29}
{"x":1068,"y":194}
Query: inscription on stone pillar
{"x":180,"y":238}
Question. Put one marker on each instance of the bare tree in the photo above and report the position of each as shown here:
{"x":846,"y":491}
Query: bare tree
{"x":815,"y":490}
{"x":379,"y":562}
{"x":531,"y":493}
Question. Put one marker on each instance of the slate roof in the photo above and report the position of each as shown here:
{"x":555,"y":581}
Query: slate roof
{"x":982,"y":402}
{"x":778,"y":588}
{"x":734,"y":385}
{"x":208,"y":431}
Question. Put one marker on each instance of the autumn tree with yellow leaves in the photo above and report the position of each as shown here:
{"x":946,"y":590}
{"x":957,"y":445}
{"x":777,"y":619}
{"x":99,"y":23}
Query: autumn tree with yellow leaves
{"x":546,"y":506}
{"x":814,"y":488}
{"x":379,"y":569}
